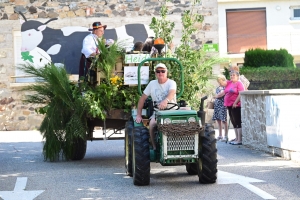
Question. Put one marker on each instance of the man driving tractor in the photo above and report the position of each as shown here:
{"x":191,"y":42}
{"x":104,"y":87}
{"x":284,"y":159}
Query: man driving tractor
{"x":162,"y":91}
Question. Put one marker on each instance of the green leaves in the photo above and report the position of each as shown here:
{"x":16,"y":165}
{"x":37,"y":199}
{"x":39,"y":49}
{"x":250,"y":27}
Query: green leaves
{"x":162,"y":27}
{"x":106,"y":60}
{"x":107,"y":96}
{"x":63,"y":106}
{"x":275,"y":74}
{"x":197,"y":65}
{"x":268,"y":58}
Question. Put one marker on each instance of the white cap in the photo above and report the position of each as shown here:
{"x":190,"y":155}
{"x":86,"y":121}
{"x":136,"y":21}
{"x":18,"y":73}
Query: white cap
{"x":160,"y":65}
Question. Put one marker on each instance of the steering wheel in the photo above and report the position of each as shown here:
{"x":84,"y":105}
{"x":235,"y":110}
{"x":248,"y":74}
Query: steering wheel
{"x":167,"y":108}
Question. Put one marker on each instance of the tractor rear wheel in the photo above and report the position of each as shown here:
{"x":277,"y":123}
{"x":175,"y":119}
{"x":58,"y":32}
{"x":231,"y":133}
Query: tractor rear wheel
{"x":128,"y":149}
{"x":207,"y":164}
{"x":79,"y":148}
{"x":140,"y":156}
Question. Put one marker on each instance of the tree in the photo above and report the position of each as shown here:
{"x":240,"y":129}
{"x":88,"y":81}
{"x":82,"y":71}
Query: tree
{"x":196,"y":62}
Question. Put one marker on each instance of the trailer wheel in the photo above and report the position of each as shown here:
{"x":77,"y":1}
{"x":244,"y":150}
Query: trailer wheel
{"x":140,"y":156}
{"x":191,"y":168}
{"x":78,"y":149}
{"x":128,"y":149}
{"x":207,"y":163}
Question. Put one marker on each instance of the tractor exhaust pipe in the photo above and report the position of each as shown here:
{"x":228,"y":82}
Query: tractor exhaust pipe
{"x":201,"y":113}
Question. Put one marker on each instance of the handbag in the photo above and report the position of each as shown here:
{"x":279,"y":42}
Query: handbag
{"x":211,"y":104}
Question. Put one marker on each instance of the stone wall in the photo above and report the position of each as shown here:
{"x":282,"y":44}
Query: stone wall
{"x":270,"y":121}
{"x":254,"y":119}
{"x":14,"y":114}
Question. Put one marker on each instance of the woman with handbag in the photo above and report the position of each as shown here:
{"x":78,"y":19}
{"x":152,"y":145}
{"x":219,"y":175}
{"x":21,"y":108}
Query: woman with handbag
{"x":220,"y":111}
{"x":233,"y":104}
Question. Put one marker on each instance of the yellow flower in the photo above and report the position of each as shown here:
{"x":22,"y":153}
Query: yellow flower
{"x":114,"y":80}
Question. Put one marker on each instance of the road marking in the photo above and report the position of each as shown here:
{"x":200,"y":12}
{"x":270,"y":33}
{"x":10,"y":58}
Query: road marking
{"x":229,"y":178}
{"x":19,"y":191}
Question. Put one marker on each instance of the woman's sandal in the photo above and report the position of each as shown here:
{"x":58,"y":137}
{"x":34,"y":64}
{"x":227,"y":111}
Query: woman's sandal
{"x":224,"y":139}
{"x":236,"y":143}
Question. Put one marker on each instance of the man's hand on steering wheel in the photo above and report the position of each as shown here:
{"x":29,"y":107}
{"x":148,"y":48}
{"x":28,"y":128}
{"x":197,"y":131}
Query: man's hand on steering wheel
{"x":165,"y":106}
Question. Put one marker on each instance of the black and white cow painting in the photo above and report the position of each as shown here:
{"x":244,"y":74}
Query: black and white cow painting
{"x":64,"y":45}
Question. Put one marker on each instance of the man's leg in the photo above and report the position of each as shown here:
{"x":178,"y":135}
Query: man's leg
{"x":152,"y":124}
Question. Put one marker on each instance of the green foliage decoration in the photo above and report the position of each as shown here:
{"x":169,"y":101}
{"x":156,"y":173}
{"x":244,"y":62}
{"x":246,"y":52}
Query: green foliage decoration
{"x":163,"y":27}
{"x":105,"y":61}
{"x":110,"y":94}
{"x":197,"y":63}
{"x":63,"y":106}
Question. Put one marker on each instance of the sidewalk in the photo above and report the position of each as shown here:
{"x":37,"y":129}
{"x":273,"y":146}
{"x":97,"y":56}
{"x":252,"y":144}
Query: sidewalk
{"x":20,"y":136}
{"x":35,"y":136}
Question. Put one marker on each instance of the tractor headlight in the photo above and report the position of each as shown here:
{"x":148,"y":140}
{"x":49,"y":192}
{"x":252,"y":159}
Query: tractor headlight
{"x":167,"y":121}
{"x":192,"y":119}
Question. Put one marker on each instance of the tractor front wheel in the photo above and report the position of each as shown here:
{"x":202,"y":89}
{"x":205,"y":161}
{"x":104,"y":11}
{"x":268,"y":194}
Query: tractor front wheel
{"x":140,"y":156}
{"x":191,"y":168}
{"x":207,"y":164}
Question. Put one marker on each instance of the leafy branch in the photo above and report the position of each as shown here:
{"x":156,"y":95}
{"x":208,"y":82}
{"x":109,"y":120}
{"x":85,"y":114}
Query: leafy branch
{"x":197,"y":64}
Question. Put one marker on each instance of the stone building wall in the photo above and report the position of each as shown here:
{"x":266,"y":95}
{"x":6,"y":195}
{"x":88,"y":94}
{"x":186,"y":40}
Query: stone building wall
{"x":14,"y":114}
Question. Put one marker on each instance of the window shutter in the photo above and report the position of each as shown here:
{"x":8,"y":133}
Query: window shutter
{"x":246,"y":29}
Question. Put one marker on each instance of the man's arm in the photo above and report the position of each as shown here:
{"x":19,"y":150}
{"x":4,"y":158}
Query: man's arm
{"x":87,"y":46}
{"x":163,"y":104}
{"x":140,"y":107}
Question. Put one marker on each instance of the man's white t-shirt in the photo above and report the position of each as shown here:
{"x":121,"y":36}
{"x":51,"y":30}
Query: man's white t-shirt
{"x":159,"y":92}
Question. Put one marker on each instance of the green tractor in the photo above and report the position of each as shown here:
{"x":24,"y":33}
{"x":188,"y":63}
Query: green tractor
{"x":182,"y":138}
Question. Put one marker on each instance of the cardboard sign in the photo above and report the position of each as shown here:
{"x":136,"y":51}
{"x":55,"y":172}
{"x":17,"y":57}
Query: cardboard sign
{"x":135,"y":58}
{"x":131,"y":75}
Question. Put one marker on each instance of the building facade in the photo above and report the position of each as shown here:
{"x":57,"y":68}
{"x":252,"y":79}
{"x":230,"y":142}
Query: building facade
{"x":266,"y":24}
{"x":14,"y":114}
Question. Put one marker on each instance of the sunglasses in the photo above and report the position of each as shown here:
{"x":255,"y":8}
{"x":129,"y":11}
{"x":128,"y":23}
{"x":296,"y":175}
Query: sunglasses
{"x":160,"y":71}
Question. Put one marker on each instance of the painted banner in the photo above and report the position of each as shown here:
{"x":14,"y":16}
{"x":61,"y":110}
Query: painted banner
{"x":131,"y":75}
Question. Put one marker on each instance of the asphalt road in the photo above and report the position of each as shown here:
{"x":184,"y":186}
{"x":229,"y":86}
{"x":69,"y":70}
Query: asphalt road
{"x":243,"y":173}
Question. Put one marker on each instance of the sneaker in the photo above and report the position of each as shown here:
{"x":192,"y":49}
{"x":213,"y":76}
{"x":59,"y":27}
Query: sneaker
{"x":219,"y":138}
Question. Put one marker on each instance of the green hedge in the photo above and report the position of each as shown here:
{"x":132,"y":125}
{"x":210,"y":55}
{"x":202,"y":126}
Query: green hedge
{"x":265,"y":78}
{"x":269,"y":58}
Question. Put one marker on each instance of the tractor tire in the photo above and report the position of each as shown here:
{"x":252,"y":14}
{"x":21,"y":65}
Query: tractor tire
{"x":79,"y":148}
{"x":140,"y":156}
{"x":191,"y":168}
{"x":128,"y":149}
{"x":207,"y":162}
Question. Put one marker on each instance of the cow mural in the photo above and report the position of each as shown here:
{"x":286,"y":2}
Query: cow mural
{"x":64,"y":45}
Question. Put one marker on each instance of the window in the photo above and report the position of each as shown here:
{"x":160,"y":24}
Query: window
{"x":295,"y":12}
{"x":246,"y":29}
